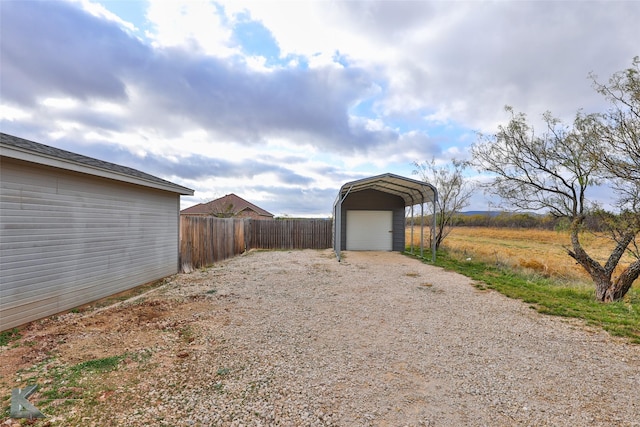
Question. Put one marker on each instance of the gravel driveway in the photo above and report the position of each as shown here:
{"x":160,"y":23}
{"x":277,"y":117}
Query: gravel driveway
{"x":379,"y":339}
{"x":382,"y":339}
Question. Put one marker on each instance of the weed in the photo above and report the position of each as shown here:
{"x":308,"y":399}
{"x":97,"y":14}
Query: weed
{"x":207,"y":268}
{"x":105,"y":364}
{"x":9,"y":336}
{"x":64,"y":385}
{"x":480,"y":286}
{"x":141,"y":356}
{"x":223,"y":371}
{"x":187,"y":334}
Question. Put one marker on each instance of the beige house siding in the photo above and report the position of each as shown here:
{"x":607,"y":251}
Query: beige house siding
{"x":68,"y":238}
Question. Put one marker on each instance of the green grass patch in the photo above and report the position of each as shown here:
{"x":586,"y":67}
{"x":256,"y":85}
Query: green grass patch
{"x":7,"y":337}
{"x":68,"y":383}
{"x":223,"y":371}
{"x":105,"y":364}
{"x":553,"y":297}
{"x":62,"y":386}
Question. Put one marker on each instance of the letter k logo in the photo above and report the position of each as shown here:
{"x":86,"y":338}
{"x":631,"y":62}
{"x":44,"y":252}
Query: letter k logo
{"x":21,"y":407}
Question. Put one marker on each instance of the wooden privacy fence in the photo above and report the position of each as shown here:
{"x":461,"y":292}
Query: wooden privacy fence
{"x":205,"y":240}
{"x":290,"y":234}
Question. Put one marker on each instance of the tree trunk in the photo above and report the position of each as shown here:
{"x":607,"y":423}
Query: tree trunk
{"x":603,"y":289}
{"x":607,"y":290}
{"x":440,"y":232}
{"x":601,"y":277}
{"x":619,"y":289}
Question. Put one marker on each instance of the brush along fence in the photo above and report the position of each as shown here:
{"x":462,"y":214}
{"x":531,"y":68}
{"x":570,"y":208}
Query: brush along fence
{"x":205,"y":240}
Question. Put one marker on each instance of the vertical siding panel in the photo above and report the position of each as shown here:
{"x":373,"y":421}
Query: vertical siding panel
{"x":399,"y":224}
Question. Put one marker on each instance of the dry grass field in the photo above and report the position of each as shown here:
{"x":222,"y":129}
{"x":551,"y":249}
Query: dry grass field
{"x":539,"y":251}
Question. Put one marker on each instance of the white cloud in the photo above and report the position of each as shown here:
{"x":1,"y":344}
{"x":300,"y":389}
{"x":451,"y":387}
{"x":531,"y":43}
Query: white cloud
{"x":189,"y":24}
{"x":11,"y":114}
{"x":367,"y":87}
{"x":63,"y":103}
{"x":100,"y":11}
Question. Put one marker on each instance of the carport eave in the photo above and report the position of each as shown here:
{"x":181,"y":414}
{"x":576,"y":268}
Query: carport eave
{"x":413,"y":192}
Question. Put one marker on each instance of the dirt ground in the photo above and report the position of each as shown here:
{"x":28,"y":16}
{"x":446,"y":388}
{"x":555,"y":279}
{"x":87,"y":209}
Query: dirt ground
{"x":296,"y":338}
{"x":108,"y":328}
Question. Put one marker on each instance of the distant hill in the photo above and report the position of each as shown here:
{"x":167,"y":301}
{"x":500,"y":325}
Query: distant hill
{"x":493,"y":214}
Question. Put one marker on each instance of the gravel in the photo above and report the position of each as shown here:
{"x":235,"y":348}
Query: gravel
{"x":380,"y":339}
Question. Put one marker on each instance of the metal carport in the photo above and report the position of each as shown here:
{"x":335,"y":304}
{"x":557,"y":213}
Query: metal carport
{"x":413,"y":193}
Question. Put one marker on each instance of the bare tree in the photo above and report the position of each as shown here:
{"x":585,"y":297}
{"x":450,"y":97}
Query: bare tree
{"x":619,"y":157}
{"x":454,"y":192}
{"x":223,"y":211}
{"x":554,"y":172}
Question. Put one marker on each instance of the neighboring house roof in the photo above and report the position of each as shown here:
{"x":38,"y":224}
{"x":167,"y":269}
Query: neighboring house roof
{"x":228,"y":204}
{"x":23,"y":149}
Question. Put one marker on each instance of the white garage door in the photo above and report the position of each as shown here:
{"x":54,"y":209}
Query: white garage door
{"x":369,"y":230}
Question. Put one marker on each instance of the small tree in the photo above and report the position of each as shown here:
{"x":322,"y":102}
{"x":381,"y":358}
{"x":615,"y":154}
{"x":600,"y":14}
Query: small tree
{"x":553,"y":172}
{"x":454,"y":192}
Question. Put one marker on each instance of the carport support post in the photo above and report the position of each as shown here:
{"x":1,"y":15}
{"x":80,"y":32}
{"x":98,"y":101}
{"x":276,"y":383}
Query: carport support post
{"x":412,"y":224}
{"x":422,"y":230}
{"x":337,"y":223}
{"x":433,"y":227}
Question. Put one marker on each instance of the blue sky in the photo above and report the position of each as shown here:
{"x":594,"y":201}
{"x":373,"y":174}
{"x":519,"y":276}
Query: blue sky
{"x":282,"y":102}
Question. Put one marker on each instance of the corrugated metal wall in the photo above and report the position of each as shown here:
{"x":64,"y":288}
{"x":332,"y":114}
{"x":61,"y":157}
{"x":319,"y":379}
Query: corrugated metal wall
{"x":375,"y":200}
{"x":68,"y":238}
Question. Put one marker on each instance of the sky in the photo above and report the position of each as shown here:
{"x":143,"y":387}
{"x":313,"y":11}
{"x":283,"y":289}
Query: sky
{"x":283,"y":102}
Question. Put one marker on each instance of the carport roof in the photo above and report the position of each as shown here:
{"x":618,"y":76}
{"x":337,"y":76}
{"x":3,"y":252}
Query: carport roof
{"x":413,"y":192}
